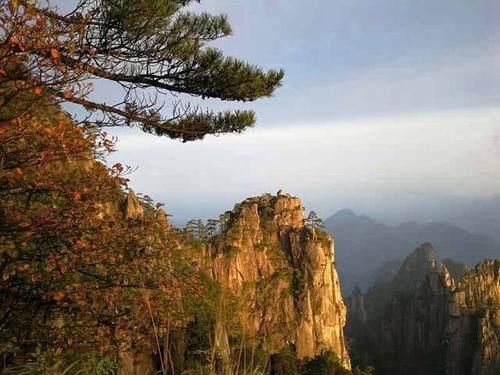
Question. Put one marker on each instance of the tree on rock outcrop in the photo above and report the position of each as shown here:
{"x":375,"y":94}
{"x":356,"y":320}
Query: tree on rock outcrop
{"x":212,"y":227}
{"x":314,"y":221}
{"x":156,"y":51}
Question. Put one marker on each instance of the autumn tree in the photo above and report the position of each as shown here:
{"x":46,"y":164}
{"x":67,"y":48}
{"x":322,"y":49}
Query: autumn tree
{"x":76,"y":273}
{"x":156,"y":51}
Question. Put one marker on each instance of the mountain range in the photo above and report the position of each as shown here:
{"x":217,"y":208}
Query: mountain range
{"x":365,"y":246}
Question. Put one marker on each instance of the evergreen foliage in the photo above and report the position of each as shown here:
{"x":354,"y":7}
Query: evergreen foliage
{"x":314,"y":221}
{"x":137,"y":45}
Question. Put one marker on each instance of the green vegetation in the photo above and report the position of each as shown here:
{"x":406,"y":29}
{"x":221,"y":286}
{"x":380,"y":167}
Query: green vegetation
{"x":314,"y":221}
{"x":286,"y":363}
{"x":231,"y":251}
{"x":140,"y":45}
{"x":328,"y":364}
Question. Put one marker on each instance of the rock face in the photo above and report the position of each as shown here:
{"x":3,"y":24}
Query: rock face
{"x":422,"y":322}
{"x":131,"y":207}
{"x":473,"y":330}
{"x":282,"y":271}
{"x":412,"y":326}
{"x":456,"y":269}
{"x":356,"y":307}
{"x":278,"y":289}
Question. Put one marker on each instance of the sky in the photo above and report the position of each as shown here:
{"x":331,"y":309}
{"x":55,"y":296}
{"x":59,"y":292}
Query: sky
{"x":388,"y":107}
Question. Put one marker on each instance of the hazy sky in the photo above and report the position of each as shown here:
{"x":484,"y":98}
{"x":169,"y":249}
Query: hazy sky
{"x":388,"y":106}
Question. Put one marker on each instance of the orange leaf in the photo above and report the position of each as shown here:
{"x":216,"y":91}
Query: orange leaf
{"x":55,"y":54}
{"x":14,"y":40}
{"x":23,"y":267}
{"x":58,"y":296}
{"x":68,"y":95}
{"x":77,"y":196}
{"x":38,"y":91}
{"x":81,"y":244}
{"x":24,"y":224}
{"x":62,"y":268}
{"x":19,"y":171}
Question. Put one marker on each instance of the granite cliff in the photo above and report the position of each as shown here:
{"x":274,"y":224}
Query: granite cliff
{"x":473,"y":329}
{"x":282,"y":271}
{"x":278,"y":294}
{"x":422,"y":321}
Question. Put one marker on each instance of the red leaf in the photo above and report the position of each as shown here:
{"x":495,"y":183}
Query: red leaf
{"x":55,"y":54}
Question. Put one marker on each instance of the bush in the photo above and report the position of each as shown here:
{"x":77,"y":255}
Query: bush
{"x":285,"y":363}
{"x":324,"y":364}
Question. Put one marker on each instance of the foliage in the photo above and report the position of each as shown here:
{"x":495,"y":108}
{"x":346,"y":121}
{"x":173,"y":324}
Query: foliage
{"x":75,"y":272}
{"x":135,"y":45}
{"x":197,"y":230}
{"x":78,"y":273}
{"x":285,"y":363}
{"x":314,"y":221}
{"x":324,"y":364}
{"x":53,"y":363}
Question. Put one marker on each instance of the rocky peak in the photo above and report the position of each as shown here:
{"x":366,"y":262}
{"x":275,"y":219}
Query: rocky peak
{"x":283,"y":272}
{"x":480,"y":286}
{"x":131,"y":207}
{"x":473,"y":329}
{"x":414,"y":270}
{"x":422,"y":322}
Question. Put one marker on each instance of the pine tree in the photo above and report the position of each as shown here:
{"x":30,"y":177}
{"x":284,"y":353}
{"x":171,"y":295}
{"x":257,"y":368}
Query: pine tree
{"x":212,"y":227}
{"x":191,"y":229}
{"x":224,"y":220}
{"x":201,"y":233}
{"x":314,"y":221}
{"x":137,"y":45}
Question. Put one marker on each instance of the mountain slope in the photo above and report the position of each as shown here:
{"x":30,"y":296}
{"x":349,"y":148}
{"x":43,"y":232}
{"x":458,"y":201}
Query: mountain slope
{"x":363,"y":244}
{"x":424,"y":322}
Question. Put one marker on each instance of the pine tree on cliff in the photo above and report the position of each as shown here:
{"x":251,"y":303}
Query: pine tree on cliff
{"x":191,"y":229}
{"x":224,"y":220}
{"x":212,"y":227}
{"x":314,"y":221}
{"x":201,"y":231}
{"x":153,"y":50}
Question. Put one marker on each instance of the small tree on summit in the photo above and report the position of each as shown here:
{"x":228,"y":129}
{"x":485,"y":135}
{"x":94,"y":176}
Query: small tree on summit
{"x":212,"y":227}
{"x":224,"y":221}
{"x":138,"y":45}
{"x":314,"y":221}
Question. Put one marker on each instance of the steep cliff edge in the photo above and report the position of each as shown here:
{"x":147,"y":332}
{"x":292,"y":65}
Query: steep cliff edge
{"x":421,"y":321}
{"x":282,"y":272}
{"x":473,"y":330}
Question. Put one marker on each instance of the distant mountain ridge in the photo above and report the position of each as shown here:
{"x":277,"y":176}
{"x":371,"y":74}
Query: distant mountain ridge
{"x":363,"y":244}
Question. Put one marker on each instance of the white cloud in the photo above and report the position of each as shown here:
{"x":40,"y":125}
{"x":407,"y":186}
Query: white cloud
{"x":452,"y":152}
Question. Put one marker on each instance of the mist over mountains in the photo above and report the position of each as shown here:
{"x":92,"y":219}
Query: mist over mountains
{"x":365,"y":246}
